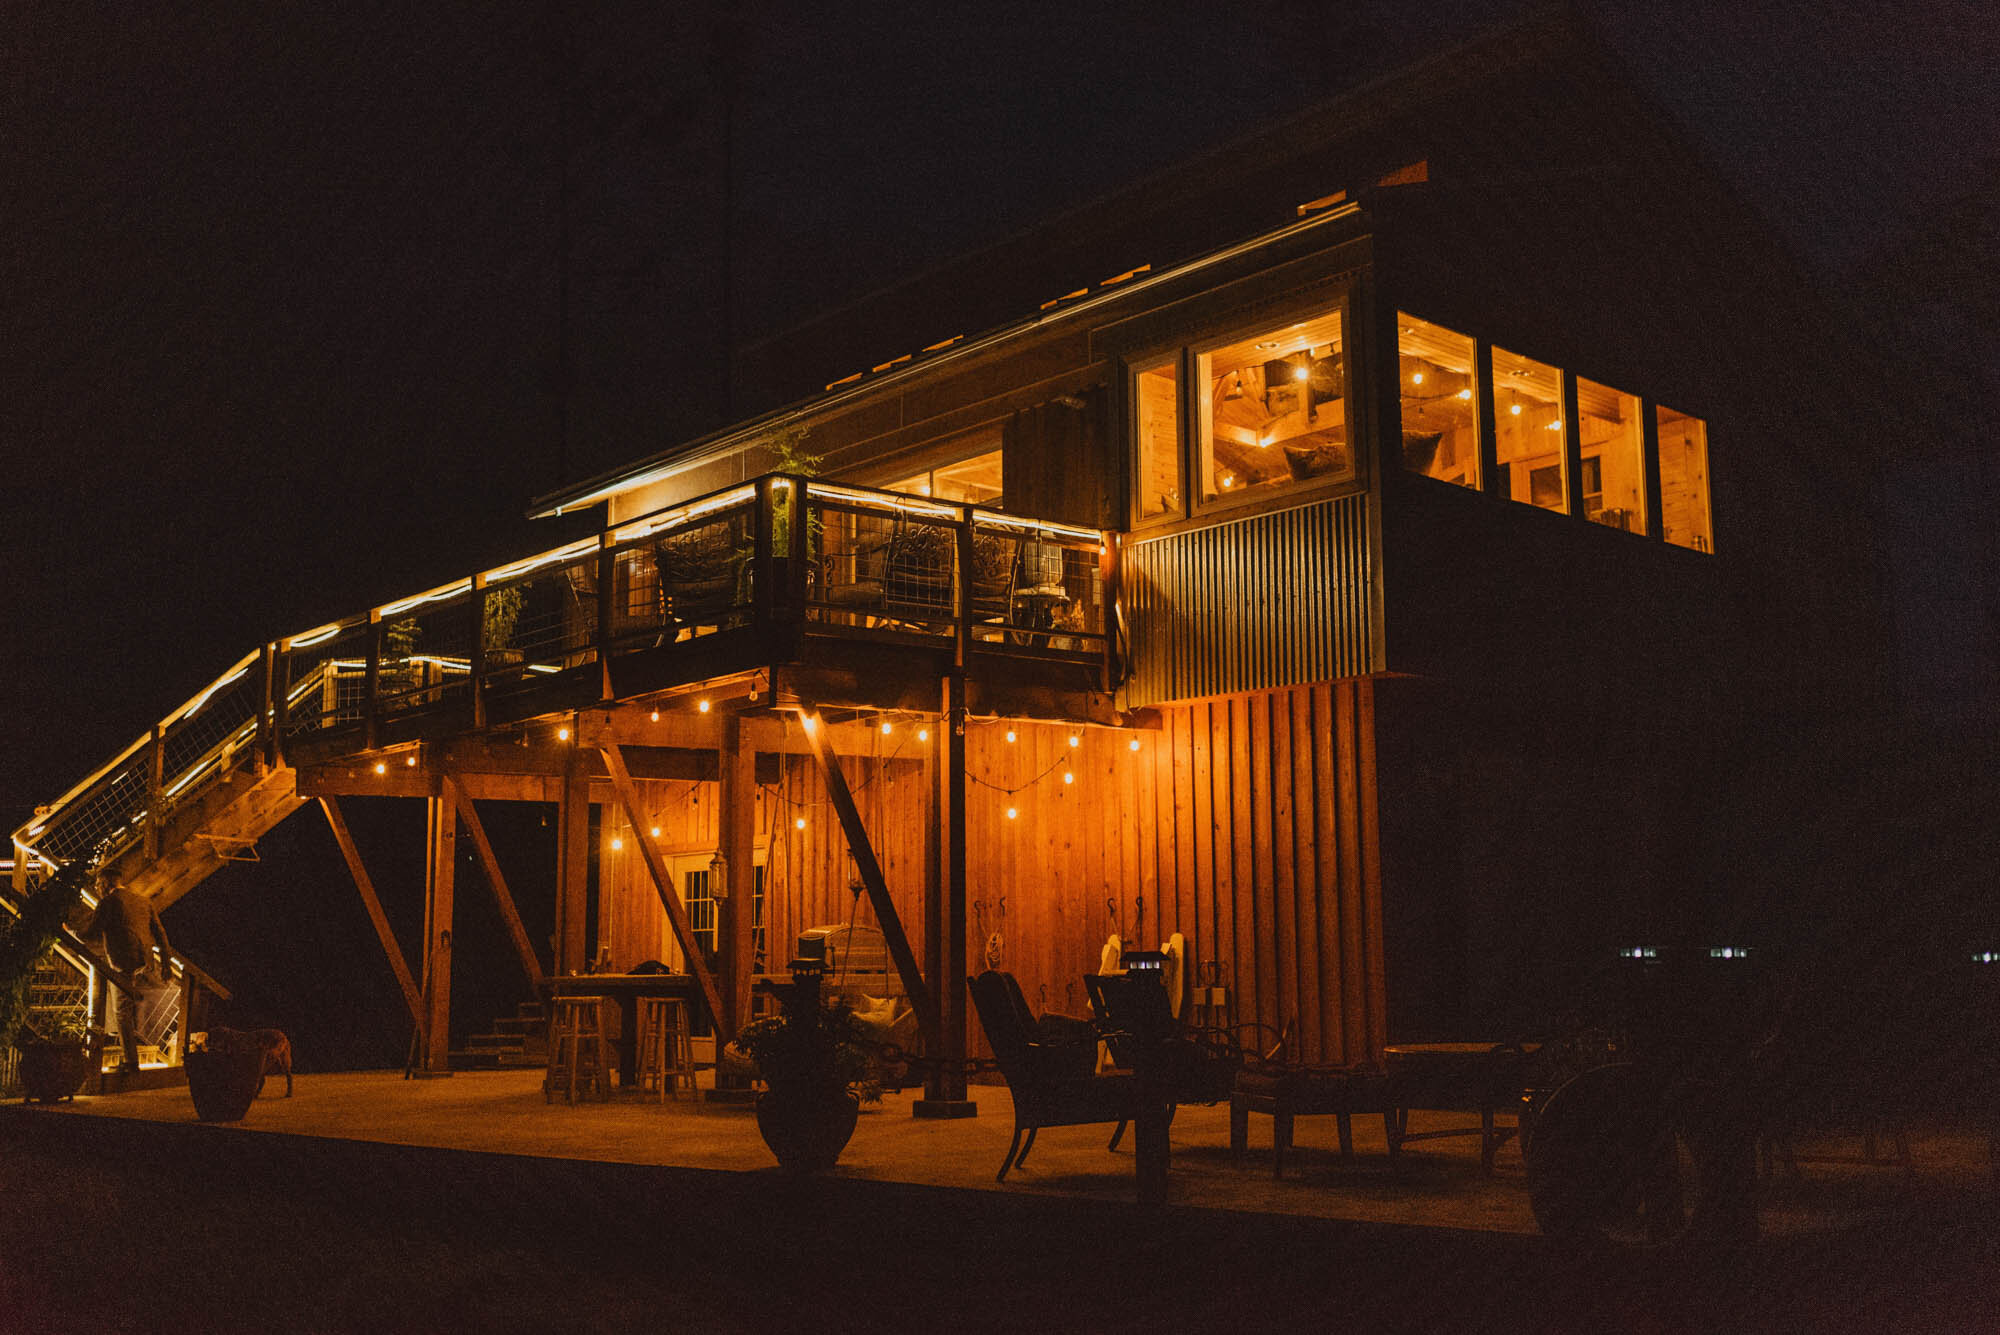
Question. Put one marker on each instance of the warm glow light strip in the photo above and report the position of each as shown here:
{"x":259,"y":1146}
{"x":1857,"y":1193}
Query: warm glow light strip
{"x":196,"y":705}
{"x":994,"y":519}
{"x":734,"y":440}
{"x":527,"y":565}
{"x":319,"y":636}
{"x":646,"y":525}
{"x":886,"y":500}
{"x":442,"y":593}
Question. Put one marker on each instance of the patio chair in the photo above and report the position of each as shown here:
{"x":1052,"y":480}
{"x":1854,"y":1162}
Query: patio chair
{"x":1132,"y":1011}
{"x":699,"y":573}
{"x":1052,"y":1083}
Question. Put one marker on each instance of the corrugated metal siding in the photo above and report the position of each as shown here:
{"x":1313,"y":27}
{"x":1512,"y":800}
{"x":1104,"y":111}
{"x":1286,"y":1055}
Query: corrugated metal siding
{"x":1272,"y":600}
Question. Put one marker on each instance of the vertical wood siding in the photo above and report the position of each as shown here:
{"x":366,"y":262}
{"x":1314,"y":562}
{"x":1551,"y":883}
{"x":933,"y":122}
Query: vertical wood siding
{"x":1245,"y":823}
{"x":1271,"y":600}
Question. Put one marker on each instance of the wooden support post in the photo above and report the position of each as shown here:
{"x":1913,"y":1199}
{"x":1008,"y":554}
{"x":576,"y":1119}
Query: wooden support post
{"x":371,"y":705}
{"x":503,"y":898}
{"x":267,"y":692}
{"x":573,"y":868}
{"x":366,"y":886}
{"x":440,"y":876}
{"x":736,"y":839}
{"x":156,"y":806}
{"x":663,"y":885}
{"x":476,"y":655}
{"x":946,"y":1093}
{"x":607,"y":572}
{"x":871,"y":870}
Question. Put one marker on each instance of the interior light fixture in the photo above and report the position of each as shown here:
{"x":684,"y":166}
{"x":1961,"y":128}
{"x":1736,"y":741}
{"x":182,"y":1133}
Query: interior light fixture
{"x":1465,"y":393}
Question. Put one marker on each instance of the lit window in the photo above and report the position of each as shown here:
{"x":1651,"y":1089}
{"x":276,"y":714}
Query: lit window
{"x":1528,"y":427}
{"x":1684,"y":510}
{"x":1614,"y":456}
{"x":1440,"y":405}
{"x":1274,"y":411}
{"x":974,"y":481}
{"x":1156,"y":394}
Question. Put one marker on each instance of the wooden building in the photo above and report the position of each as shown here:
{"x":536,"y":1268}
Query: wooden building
{"x":1392,"y":552}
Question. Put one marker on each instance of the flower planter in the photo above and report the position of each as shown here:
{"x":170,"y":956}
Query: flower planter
{"x":807,"y":1129}
{"x":51,"y":1072}
{"x":224,"y":1084}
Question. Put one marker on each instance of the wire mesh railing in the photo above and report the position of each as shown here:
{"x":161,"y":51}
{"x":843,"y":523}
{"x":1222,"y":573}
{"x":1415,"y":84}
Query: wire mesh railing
{"x":848,"y":560}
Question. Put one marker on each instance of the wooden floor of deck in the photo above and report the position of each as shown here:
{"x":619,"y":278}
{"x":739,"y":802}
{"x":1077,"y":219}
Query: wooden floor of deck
{"x":1436,"y":1184}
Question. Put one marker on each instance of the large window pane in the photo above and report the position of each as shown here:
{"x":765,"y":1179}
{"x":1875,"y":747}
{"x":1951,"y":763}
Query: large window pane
{"x":1440,"y":408}
{"x":1527,"y":419}
{"x":1156,"y":390}
{"x":1684,"y":480}
{"x":974,"y":481}
{"x":1274,"y":411}
{"x":1614,"y":456}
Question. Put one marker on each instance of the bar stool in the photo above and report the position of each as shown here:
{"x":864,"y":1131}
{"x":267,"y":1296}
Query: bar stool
{"x":578,"y":1050}
{"x":666,"y":1050}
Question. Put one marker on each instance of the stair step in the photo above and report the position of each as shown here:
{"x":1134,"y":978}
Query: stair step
{"x":493,"y":1059}
{"x":519,"y":1024}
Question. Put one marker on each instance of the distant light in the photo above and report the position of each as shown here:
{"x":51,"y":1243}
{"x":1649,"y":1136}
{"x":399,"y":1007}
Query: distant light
{"x":1556,"y":425}
{"x":1986,"y":957}
{"x":1465,"y":393}
{"x":810,"y":721}
{"x":1728,"y":952}
{"x":1301,"y":373}
{"x":702,"y":706}
{"x":1639,"y":953}
{"x":1229,"y":480}
{"x":381,"y":767}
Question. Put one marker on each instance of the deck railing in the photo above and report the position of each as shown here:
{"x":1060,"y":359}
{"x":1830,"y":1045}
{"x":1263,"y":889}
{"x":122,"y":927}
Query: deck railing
{"x":786,"y":555}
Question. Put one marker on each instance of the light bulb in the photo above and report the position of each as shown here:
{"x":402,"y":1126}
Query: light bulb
{"x":1417,"y":379}
{"x":410,"y":761}
{"x":616,"y":843}
{"x":562,"y":734}
{"x":702,"y":706}
{"x":799,"y":824}
{"x":923,"y":734}
{"x":1010,"y":734}
{"x":1068,"y":777}
{"x":1075,"y":740}
{"x":1133,"y":744}
{"x":1516,"y":410}
{"x":656,"y":832}
{"x":656,"y":716}
{"x":1465,"y":393}
{"x":381,"y":767}
{"x":887,"y":728}
{"x":1012,"y":813}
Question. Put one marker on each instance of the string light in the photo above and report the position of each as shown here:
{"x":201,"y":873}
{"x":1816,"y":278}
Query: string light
{"x":1075,"y":740}
{"x":1012,"y":813}
{"x":381,"y":767}
{"x":1010,"y":734}
{"x":616,"y":843}
{"x":702,"y":705}
{"x":562,"y":734}
{"x":887,"y":727}
{"x":656,"y":832}
{"x":656,"y":716}
{"x":1068,"y":777}
{"x":923,"y":734}
{"x":410,"y":761}
{"x":1133,"y":744}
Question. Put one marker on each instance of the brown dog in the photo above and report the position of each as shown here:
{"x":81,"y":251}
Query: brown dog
{"x":277,"y":1050}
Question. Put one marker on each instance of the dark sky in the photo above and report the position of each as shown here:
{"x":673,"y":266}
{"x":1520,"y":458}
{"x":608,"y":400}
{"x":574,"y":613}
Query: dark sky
{"x":278,"y":311}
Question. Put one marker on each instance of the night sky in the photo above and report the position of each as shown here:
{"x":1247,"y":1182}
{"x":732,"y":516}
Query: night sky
{"x":280,"y":286}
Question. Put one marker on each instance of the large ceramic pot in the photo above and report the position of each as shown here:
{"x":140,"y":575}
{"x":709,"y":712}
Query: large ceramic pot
{"x":51,"y":1072}
{"x":224,"y":1084}
{"x":807,"y":1126}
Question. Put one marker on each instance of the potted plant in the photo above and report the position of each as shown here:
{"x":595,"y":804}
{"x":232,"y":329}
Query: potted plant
{"x":27,"y":934}
{"x":57,"y":1058}
{"x":498,"y":616}
{"x":223,"y":1075}
{"x":814,"y":1061}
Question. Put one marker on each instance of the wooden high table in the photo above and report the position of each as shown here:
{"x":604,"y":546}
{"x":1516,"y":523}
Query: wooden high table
{"x":1486,"y":1078}
{"x":626,"y":989}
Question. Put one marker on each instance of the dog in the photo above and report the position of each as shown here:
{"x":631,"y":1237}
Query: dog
{"x":277,"y":1050}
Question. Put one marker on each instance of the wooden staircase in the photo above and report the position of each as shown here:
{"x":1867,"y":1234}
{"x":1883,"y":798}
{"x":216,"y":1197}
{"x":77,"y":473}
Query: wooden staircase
{"x":517,"y":1042}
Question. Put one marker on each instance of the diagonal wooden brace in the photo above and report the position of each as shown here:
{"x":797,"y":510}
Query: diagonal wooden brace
{"x":502,"y":897}
{"x":871,"y":871}
{"x":366,"y":886}
{"x":663,"y":885}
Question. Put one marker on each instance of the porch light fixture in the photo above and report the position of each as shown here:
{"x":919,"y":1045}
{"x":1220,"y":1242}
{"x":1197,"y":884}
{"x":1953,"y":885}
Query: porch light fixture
{"x":718,"y":877}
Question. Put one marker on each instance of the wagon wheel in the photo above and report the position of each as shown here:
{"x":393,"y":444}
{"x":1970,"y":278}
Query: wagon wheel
{"x":1615,"y":1164}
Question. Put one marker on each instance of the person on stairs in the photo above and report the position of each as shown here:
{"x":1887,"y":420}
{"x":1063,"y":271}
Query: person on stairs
{"x":127,"y":928}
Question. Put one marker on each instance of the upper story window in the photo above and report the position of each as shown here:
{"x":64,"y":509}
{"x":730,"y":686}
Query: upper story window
{"x":1440,"y":401}
{"x":1684,"y":513}
{"x":974,"y":481}
{"x":1626,"y":476}
{"x":1528,"y":430}
{"x":1612,"y":437}
{"x":1156,"y":409}
{"x":1273,"y":411}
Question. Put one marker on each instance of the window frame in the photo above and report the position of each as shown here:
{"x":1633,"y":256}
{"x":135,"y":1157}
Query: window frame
{"x":1191,"y":423}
